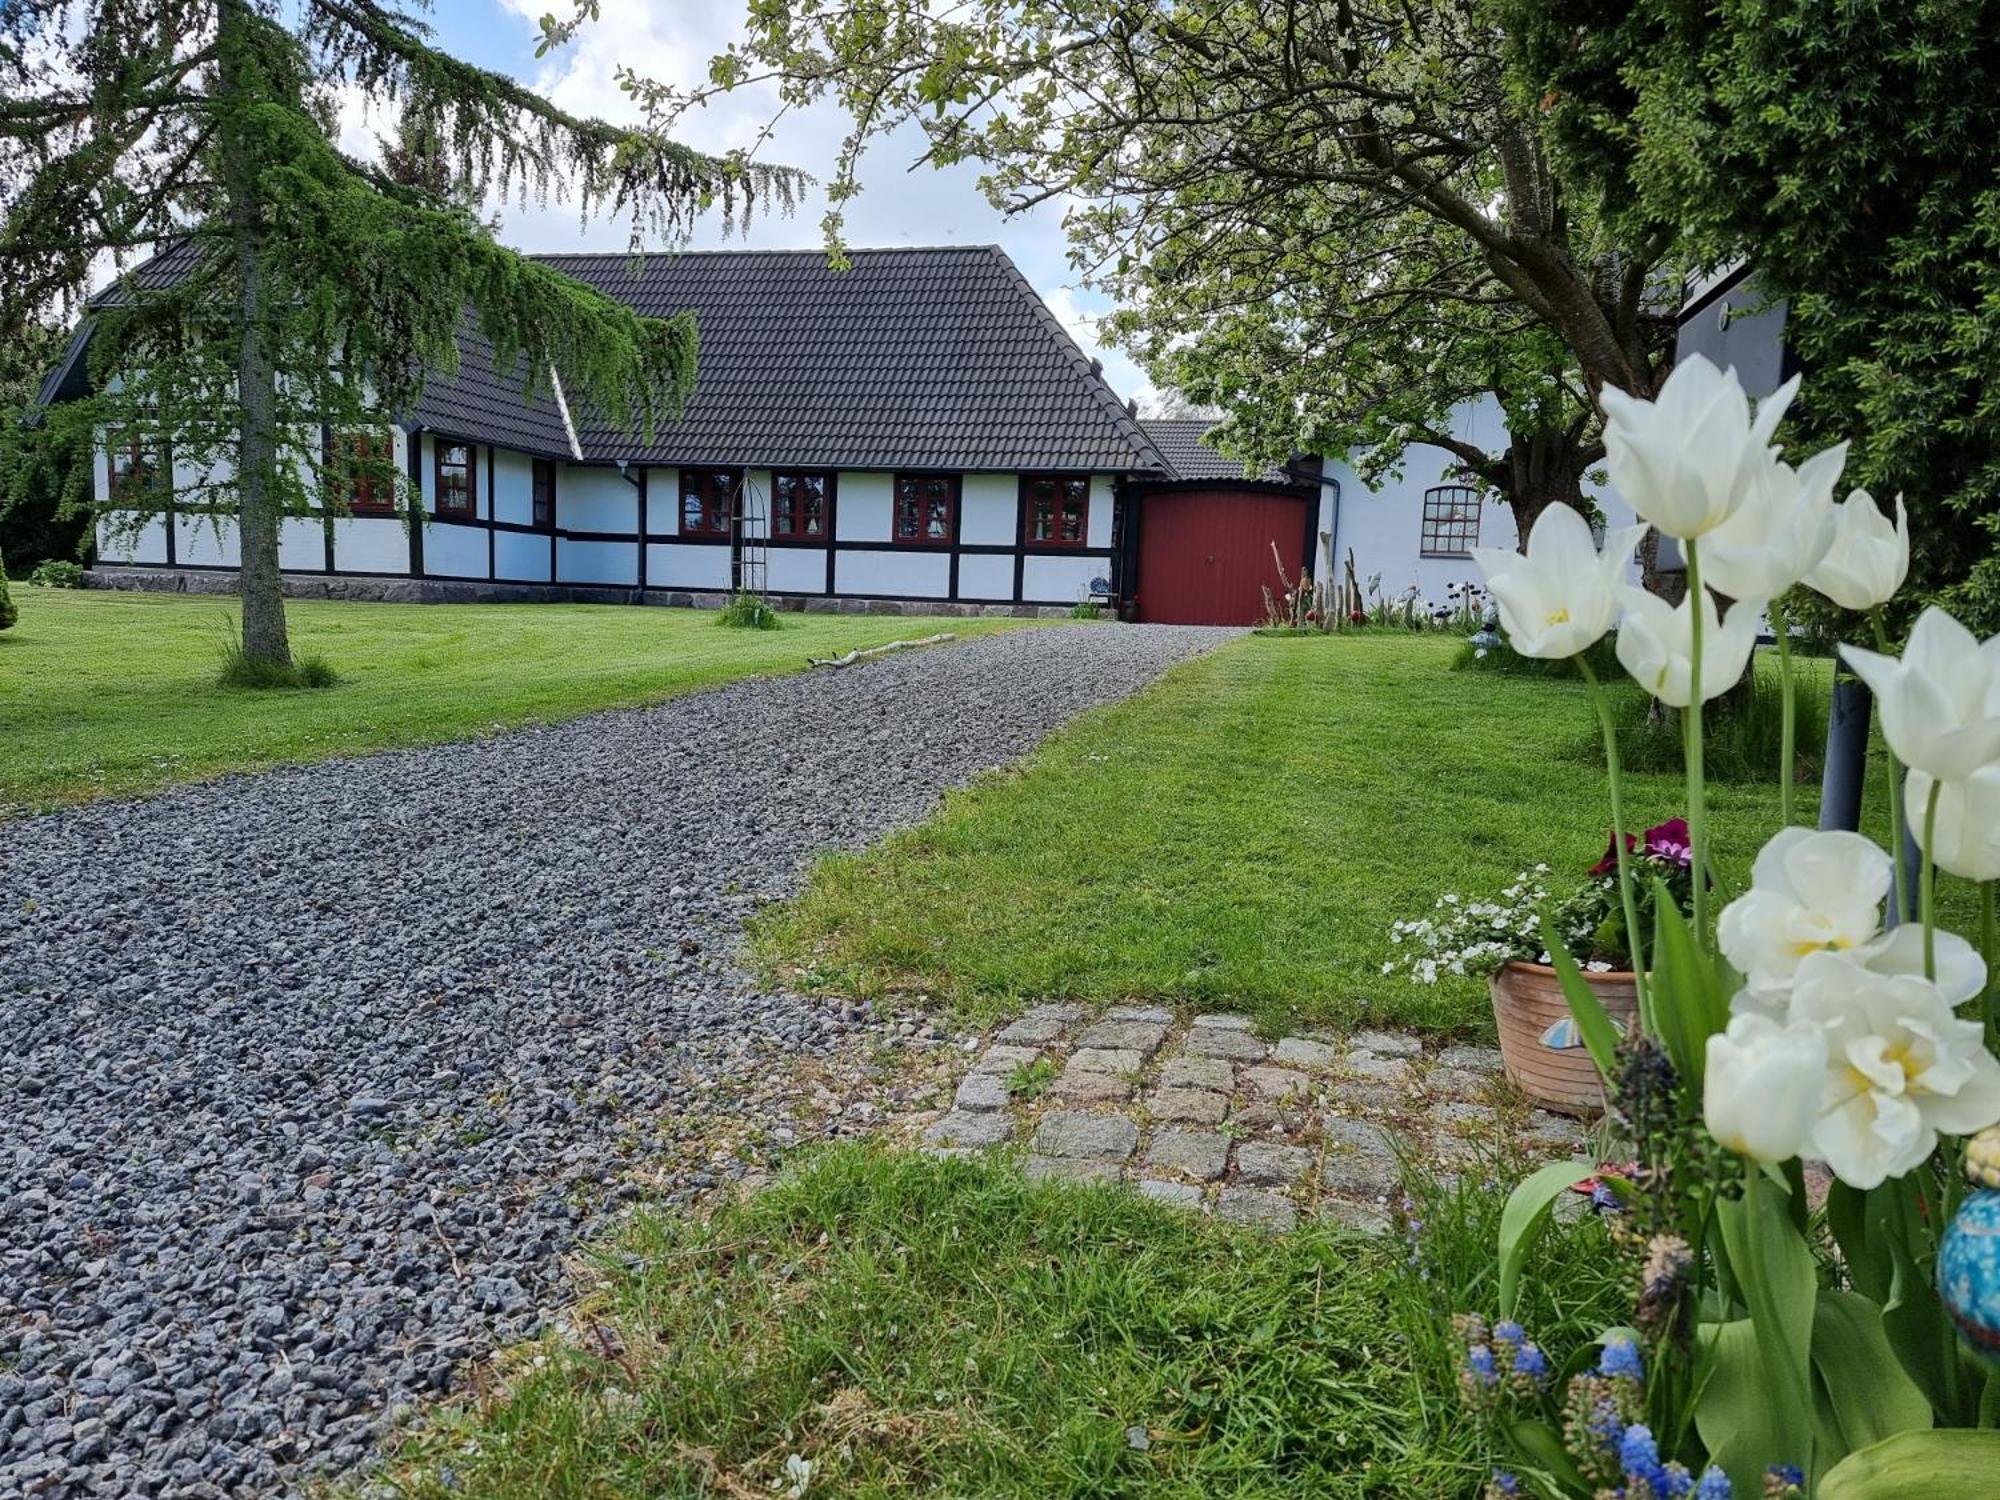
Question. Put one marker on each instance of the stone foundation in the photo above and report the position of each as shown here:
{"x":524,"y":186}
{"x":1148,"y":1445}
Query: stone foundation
{"x":478,"y":591}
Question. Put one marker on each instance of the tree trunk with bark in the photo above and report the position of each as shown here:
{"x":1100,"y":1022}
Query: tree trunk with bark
{"x":259,"y":582}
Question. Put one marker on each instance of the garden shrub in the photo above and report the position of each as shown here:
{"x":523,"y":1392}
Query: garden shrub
{"x":749,"y":612}
{"x":1741,"y":734}
{"x":8,"y":613}
{"x":1086,"y":609}
{"x":55,"y":573}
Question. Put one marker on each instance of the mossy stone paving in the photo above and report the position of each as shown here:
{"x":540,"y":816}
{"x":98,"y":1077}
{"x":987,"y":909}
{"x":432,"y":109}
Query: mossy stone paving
{"x":1204,"y":1113}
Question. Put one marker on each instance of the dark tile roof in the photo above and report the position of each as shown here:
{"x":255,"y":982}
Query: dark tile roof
{"x":937,"y":358}
{"x":921,"y":358}
{"x":1179,"y":440}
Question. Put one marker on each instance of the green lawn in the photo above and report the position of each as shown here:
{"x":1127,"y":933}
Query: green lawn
{"x":108,"y":694}
{"x":1242,"y":836}
{"x":915,"y":1328}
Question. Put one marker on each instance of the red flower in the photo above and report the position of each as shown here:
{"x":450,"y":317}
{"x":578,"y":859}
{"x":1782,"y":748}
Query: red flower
{"x":1668,"y":842}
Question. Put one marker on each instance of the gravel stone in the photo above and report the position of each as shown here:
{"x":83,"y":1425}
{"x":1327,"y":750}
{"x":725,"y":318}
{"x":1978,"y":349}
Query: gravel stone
{"x":1004,"y":1059}
{"x":1092,"y":1088}
{"x":1071,"y":1133}
{"x":439,"y":1004}
{"x":1068,"y":1169}
{"x":970,"y":1128}
{"x":982,"y":1091}
{"x":1064,"y":1011}
{"x":1031,"y":1031}
{"x":1223,"y":1023}
{"x":1479,"y":1059}
{"x":1274,"y":1083}
{"x":1360,"y":1160}
{"x":1142,"y":1037}
{"x":1369,"y":1068}
{"x":1179,"y":1194}
{"x":1266,"y":1161}
{"x":1197,"y":1073}
{"x":1197,"y":1106}
{"x":1459,"y":1083}
{"x":1386,"y":1043}
{"x":1256,"y":1206}
{"x":1220,"y":1041}
{"x":1104,"y":1060}
{"x":1200,"y":1154}
{"x":1300,"y":1052}
{"x":1157,"y":1014}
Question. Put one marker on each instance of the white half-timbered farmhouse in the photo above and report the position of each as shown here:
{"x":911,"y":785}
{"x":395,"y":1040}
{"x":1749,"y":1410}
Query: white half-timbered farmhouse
{"x":917,"y":430}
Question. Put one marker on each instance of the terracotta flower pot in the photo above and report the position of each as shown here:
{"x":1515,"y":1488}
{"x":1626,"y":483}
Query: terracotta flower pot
{"x":1539,"y":1038}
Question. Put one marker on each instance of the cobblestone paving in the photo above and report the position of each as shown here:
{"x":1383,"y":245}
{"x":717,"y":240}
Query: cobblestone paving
{"x":1206,"y":1114}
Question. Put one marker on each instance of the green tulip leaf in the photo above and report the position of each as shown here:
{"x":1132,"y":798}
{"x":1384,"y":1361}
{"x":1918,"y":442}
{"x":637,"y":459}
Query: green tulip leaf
{"x":1738,"y":1426}
{"x":1780,"y":1284}
{"x":1522,"y":1219}
{"x":1541,"y":1447}
{"x":1946,"y":1464}
{"x":1690,"y":1003}
{"x":1600,"y":1037}
{"x":1857,"y":1221}
{"x":1862,"y":1394}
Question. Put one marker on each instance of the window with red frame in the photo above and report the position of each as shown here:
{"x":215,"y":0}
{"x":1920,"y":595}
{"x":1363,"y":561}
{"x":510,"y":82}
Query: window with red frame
{"x":798,"y":506}
{"x":543,"y":517}
{"x":457,"y":480}
{"x":926,"y":508}
{"x":1058,"y":510}
{"x":134,"y":476}
{"x":708,"y":501}
{"x":357,"y":470}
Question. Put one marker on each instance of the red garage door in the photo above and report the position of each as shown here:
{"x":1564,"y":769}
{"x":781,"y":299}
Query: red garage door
{"x":1205,"y":555}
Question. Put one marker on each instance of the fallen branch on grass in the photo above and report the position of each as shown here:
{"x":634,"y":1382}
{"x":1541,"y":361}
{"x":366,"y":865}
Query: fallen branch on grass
{"x":857,"y":655}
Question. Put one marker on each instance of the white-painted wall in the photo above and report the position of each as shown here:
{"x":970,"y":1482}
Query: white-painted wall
{"x":986,"y":575}
{"x":371,"y":544}
{"x":614,"y":563}
{"x":663,"y":503}
{"x":893,"y":574}
{"x":589,"y":499}
{"x":521,"y":556}
{"x":1061,"y":580}
{"x":796,"y":570}
{"x":989,"y":510}
{"x":119,"y":542}
{"x":513,"y":497}
{"x":687,"y":565}
{"x":1383,"y":526}
{"x":864,"y":507}
{"x":452,"y":550}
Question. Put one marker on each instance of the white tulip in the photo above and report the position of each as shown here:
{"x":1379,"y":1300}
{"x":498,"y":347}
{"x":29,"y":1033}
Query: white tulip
{"x":1809,"y":893}
{"x":1779,"y":533}
{"x":1941,"y":702}
{"x":1869,"y":558}
{"x":1961,"y":972}
{"x":1685,"y":459}
{"x":1561,"y":596}
{"x":1763,"y":1087}
{"x":1901,"y":1068}
{"x":1967,"y":837}
{"x":1656,"y":645}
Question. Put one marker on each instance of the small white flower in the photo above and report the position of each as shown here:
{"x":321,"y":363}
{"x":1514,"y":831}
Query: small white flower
{"x":799,"y":1473}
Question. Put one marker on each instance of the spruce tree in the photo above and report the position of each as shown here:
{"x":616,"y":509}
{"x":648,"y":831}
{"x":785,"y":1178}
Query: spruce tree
{"x":314,"y":290}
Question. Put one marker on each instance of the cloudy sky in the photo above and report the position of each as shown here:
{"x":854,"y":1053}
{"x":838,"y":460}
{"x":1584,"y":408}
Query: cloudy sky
{"x":673,"y":40}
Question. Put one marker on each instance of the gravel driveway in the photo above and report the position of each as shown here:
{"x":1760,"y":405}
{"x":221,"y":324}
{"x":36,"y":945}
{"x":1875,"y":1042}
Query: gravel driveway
{"x":309,"y":1079}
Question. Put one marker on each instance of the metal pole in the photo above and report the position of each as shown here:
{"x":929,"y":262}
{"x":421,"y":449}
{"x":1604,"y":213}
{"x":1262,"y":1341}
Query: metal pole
{"x":1842,"y":783}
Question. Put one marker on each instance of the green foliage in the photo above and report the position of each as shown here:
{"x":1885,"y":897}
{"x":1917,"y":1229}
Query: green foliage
{"x":749,"y":612}
{"x":1086,"y":609}
{"x":1504,"y":661}
{"x":57,"y":574}
{"x":240,"y":669}
{"x":9,"y":614}
{"x":34,"y":478}
{"x":1031,"y":1080}
{"x":1742,"y":730}
{"x":914,"y":1327}
{"x":1849,"y":152}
